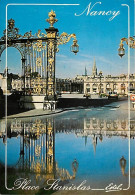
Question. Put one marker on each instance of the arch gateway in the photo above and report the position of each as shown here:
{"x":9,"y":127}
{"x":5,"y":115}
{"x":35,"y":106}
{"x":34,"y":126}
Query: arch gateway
{"x":38,"y":53}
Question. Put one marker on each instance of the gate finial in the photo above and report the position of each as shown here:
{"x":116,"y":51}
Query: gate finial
{"x":52,"y":18}
{"x":11,"y":23}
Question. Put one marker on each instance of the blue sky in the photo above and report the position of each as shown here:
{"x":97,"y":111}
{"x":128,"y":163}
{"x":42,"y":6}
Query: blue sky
{"x":97,"y":36}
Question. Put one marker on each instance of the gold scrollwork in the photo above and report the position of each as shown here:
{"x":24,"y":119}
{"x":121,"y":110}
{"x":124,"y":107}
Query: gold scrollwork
{"x":37,"y":150}
{"x":51,"y":45}
{"x":28,"y":35}
{"x":65,"y":38}
{"x":129,"y":41}
{"x":39,"y":62}
{"x":39,"y":85}
{"x":51,"y":35}
{"x":51,"y":60}
{"x":11,"y":32}
{"x":11,"y":23}
{"x":40,"y":35}
{"x":38,"y":46}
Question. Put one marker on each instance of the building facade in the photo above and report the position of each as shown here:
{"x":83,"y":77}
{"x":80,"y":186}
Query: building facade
{"x":98,"y":83}
{"x":106,"y":84}
{"x":38,"y":85}
{"x":3,"y":82}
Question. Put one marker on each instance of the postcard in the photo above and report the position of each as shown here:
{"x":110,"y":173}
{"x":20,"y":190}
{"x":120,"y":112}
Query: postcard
{"x":67,"y":97}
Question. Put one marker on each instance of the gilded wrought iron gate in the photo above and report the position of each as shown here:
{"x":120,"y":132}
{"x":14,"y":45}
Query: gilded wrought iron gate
{"x":38,"y":56}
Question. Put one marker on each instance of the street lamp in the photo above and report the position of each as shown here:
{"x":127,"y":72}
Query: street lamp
{"x":129,"y":41}
{"x":75,"y":47}
{"x":123,"y":165}
{"x":121,"y":50}
{"x":100,"y":75}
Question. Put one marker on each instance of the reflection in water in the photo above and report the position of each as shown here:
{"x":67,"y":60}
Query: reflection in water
{"x":123,"y":164}
{"x":84,"y":127}
{"x":37,"y":150}
{"x":37,"y":158}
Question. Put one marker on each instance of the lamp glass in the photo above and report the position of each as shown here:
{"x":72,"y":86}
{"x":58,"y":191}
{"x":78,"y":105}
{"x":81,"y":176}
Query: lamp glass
{"x":75,"y":48}
{"x":121,"y":52}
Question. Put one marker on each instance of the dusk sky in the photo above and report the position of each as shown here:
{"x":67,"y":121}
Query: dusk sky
{"x":98,"y":36}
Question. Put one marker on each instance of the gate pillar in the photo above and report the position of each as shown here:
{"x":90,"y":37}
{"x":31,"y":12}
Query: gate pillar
{"x":52,"y":34}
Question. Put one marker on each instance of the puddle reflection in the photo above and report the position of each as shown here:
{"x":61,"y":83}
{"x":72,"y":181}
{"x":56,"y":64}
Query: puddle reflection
{"x":60,"y":148}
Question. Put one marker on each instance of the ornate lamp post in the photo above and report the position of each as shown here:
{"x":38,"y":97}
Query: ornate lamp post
{"x":75,"y":46}
{"x":121,"y":50}
{"x":129,"y":41}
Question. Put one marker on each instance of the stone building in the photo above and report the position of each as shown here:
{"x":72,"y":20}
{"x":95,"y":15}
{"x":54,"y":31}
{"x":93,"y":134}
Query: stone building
{"x":98,"y":83}
{"x":3,"y":82}
{"x":1,"y":77}
{"x":69,"y":85}
{"x":39,"y":84}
